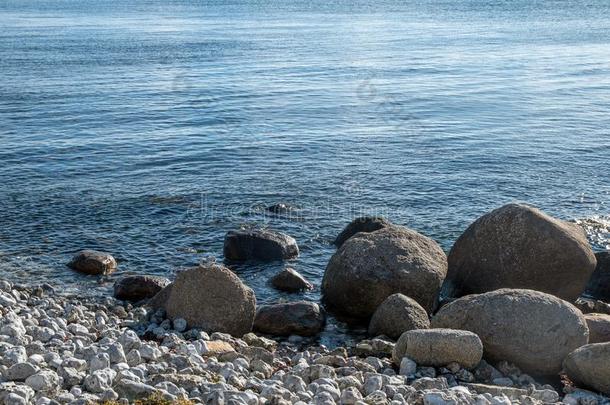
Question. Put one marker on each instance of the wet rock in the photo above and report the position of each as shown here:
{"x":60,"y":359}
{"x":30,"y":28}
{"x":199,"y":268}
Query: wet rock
{"x":212,"y":298}
{"x":397,"y":314}
{"x":290,"y":280}
{"x":93,"y":262}
{"x":293,"y":318}
{"x":599,"y":283}
{"x":361,"y":224}
{"x":370,"y":267}
{"x":136,"y":288}
{"x":517,"y":246}
{"x":589,"y":366}
{"x":588,"y":305}
{"x":439,"y":347}
{"x":599,"y":327}
{"x":531,"y":329}
{"x":259,"y":244}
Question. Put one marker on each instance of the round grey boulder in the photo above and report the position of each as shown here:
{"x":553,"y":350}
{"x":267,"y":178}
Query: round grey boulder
{"x":439,"y":347}
{"x":361,"y":224}
{"x":599,"y":284}
{"x":599,"y":327}
{"x":518,"y":246}
{"x":589,"y":366}
{"x":531,"y":329}
{"x":370,"y":267}
{"x":396,"y":315}
{"x":212,"y":298}
{"x":136,"y":288}
{"x":293,"y":318}
{"x":93,"y":262}
{"x":259,"y":244}
{"x":290,"y":280}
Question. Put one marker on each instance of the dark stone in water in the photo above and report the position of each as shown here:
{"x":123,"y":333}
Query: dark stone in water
{"x":259,"y":244}
{"x":136,"y":288}
{"x":294,"y":318}
{"x":280,"y":208}
{"x":362,"y":224}
{"x":93,"y":262}
{"x":291,"y":281}
{"x":599,"y":283}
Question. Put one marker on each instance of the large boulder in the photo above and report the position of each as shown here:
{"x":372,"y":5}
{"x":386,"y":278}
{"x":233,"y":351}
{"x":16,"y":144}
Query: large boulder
{"x":212,"y":298}
{"x":517,"y":246}
{"x":93,"y":262}
{"x":370,"y":267}
{"x":599,"y":327}
{"x":599,"y":284}
{"x":136,"y":288}
{"x":290,"y":280}
{"x":293,"y":318}
{"x":531,"y":329}
{"x":589,"y":366}
{"x":396,"y":315}
{"x":439,"y":347}
{"x":259,"y":244}
{"x":361,"y":224}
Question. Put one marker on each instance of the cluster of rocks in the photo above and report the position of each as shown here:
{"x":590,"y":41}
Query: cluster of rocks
{"x":56,"y":349}
{"x":508,"y":294}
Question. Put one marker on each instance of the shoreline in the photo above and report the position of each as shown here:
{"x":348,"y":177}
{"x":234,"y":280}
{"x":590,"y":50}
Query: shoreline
{"x":60,"y":349}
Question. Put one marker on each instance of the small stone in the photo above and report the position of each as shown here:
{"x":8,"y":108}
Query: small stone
{"x":180,"y":324}
{"x":45,"y":380}
{"x":93,"y":262}
{"x":290,"y":280}
{"x":407,"y":366}
{"x":20,"y":371}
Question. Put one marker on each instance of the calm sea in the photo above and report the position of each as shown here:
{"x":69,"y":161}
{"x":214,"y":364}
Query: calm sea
{"x":150,"y":128}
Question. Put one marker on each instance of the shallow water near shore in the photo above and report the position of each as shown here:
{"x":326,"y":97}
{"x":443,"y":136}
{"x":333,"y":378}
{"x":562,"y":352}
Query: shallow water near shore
{"x":150,"y":129}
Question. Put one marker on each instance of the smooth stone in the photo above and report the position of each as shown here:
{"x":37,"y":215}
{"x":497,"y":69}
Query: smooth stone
{"x":531,"y":329}
{"x":259,"y":244}
{"x":369,"y":267}
{"x":20,"y":371}
{"x":294,"y":318}
{"x":439,"y":347}
{"x":599,"y":327}
{"x":589,"y":366}
{"x":598,"y":286}
{"x":93,"y":262}
{"x":290,"y":280}
{"x":518,"y":246}
{"x":137,"y":288}
{"x":396,"y":315}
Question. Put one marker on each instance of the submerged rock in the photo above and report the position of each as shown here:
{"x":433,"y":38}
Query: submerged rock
{"x":259,"y":244}
{"x":599,"y":284}
{"x":136,"y":288}
{"x":589,"y":366}
{"x":396,"y":315}
{"x":280,"y":208}
{"x":212,"y":298}
{"x":517,"y":246}
{"x":531,"y":329}
{"x":93,"y":262}
{"x":599,"y":327}
{"x":361,"y":224}
{"x":291,"y":281}
{"x":294,"y":318}
{"x":370,"y":267}
{"x":439,"y":347}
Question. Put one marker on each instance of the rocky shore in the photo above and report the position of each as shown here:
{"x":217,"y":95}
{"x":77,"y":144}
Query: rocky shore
{"x":515,"y":337}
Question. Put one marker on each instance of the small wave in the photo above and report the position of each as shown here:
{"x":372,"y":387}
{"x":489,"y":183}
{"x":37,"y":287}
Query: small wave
{"x":598,"y":230}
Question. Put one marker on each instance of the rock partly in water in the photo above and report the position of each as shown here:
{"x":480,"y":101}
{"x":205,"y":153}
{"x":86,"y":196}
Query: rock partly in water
{"x":370,"y":267}
{"x":589,"y":366}
{"x":93,"y":262}
{"x":212,"y":298}
{"x":361,"y":224}
{"x":294,"y":318}
{"x":281,"y":208}
{"x":599,"y":327}
{"x":136,"y":288}
{"x":396,"y":315}
{"x":517,"y":246}
{"x":599,"y":283}
{"x":290,"y":280}
{"x":259,"y":244}
{"x":439,"y":347}
{"x":531,"y":329}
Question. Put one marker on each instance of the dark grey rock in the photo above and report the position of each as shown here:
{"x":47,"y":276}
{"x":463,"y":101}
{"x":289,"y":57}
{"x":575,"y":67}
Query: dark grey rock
{"x":599,"y":284}
{"x":396,"y":315}
{"x":361,"y":224}
{"x":291,"y":281}
{"x":136,"y":288}
{"x":293,"y":318}
{"x":93,"y":262}
{"x":259,"y":244}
